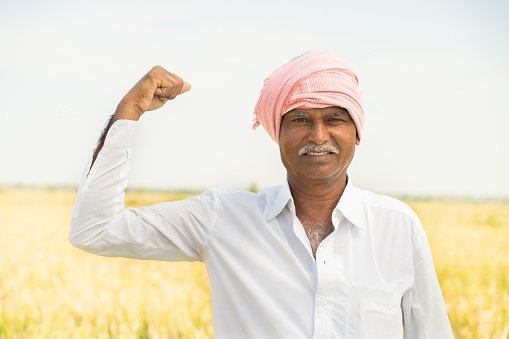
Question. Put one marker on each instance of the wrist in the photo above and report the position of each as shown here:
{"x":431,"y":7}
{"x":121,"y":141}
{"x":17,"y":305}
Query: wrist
{"x":128,"y":111}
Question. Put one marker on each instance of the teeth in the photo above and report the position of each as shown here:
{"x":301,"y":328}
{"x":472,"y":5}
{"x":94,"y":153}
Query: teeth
{"x":317,"y":153}
{"x":318,"y":150}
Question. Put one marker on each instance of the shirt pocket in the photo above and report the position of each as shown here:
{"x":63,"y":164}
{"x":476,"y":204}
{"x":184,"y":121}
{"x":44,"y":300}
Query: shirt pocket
{"x":374,"y":313}
{"x":380,"y":321}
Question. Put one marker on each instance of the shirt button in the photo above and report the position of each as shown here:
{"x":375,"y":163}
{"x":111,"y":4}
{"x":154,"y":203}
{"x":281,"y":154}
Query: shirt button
{"x":322,"y":302}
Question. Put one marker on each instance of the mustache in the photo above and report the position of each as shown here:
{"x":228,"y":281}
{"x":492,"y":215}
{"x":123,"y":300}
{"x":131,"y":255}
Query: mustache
{"x":318,"y":149}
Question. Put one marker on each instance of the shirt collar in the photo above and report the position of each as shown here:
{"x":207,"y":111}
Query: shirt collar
{"x":350,"y":204}
{"x":281,"y":200}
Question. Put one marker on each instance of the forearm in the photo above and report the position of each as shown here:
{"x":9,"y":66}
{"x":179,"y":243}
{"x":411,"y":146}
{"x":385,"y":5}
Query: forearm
{"x":101,"y":192}
{"x":124,"y":111}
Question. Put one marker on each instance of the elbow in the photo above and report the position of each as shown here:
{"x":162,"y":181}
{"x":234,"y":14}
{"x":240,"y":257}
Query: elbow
{"x":75,"y":235}
{"x":85,"y":237}
{"x":77,"y":240}
{"x":74,"y":239}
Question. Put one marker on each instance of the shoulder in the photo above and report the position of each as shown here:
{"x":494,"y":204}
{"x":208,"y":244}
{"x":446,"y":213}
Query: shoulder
{"x":390,"y":212}
{"x":232,"y":197}
{"x":381,"y":202}
{"x":235,"y":198}
{"x":225,"y":193}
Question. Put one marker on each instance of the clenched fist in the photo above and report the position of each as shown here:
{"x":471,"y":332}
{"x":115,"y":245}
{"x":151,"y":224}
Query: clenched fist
{"x":150,"y":93}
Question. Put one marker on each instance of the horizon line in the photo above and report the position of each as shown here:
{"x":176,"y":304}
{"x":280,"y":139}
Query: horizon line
{"x":254,"y":188}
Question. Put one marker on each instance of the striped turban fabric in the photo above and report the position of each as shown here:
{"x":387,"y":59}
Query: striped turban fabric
{"x":312,"y":80}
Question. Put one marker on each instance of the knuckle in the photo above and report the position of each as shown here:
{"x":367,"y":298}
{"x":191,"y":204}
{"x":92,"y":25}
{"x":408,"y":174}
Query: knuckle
{"x":154,"y":72}
{"x":178,"y":80}
{"x":175,"y":79}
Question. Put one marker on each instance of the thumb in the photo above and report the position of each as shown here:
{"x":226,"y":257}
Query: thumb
{"x":185,"y":87}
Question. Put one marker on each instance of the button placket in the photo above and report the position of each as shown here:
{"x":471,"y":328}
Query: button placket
{"x":323,"y":321}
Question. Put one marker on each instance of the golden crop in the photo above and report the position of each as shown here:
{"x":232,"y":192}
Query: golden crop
{"x":48,"y":289}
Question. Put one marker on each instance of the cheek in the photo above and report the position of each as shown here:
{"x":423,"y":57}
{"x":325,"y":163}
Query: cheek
{"x":288,"y":140}
{"x":346,"y":138}
{"x":285,"y":151}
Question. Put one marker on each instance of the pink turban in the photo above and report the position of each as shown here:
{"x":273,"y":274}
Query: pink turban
{"x":312,"y":80}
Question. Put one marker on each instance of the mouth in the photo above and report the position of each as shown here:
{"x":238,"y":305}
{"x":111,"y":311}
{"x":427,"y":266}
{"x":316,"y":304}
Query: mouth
{"x":318,"y":150}
{"x":317,"y":153}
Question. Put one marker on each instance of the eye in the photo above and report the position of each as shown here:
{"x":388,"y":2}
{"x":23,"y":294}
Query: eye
{"x":299,"y":120}
{"x":335,"y":120}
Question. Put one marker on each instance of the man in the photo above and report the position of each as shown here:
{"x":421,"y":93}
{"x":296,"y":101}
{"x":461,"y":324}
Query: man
{"x":314,"y":257}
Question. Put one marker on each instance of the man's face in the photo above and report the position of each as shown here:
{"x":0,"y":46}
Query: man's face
{"x":317,"y":143}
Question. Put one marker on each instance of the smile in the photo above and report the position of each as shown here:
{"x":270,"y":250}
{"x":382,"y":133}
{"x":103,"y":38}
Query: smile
{"x":318,"y":153}
{"x":316,"y":150}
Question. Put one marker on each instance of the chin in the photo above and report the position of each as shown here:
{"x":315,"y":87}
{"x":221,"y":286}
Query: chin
{"x":319,"y":175}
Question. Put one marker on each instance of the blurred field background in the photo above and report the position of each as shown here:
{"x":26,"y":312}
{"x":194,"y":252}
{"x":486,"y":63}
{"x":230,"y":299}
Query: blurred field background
{"x":48,"y":289}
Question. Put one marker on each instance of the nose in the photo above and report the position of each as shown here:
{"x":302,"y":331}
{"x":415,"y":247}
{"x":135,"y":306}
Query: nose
{"x":318,"y":132}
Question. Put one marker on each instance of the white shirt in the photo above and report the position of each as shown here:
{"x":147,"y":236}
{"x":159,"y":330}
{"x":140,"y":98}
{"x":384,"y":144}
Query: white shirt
{"x":373,"y":276}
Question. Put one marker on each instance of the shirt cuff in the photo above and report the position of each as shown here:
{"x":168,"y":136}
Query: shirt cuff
{"x":121,"y":134}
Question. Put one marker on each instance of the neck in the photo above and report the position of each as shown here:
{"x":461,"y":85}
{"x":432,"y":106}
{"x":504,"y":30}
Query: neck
{"x":316,"y":199}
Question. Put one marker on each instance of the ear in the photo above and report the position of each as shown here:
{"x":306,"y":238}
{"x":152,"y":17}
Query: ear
{"x":358,"y":140}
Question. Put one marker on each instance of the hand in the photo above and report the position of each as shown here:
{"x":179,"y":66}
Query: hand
{"x":150,"y":93}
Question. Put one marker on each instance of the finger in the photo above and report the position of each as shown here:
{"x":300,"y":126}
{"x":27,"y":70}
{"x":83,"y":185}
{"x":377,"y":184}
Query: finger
{"x":159,"y":91}
{"x":162,"y":99}
{"x":181,"y":88}
{"x":172,"y":86}
{"x":166,"y":89}
{"x":177,"y":84}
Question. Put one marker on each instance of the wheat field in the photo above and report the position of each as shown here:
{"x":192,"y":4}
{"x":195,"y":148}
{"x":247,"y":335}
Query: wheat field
{"x":48,"y":289}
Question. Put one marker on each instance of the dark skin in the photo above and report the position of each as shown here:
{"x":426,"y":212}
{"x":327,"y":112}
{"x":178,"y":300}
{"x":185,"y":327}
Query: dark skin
{"x":317,"y":180}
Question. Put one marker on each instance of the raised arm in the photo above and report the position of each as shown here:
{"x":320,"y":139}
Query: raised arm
{"x":102,"y":225}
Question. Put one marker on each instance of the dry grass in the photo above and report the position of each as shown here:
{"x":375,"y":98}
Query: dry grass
{"x":470,"y":244}
{"x":48,"y":289}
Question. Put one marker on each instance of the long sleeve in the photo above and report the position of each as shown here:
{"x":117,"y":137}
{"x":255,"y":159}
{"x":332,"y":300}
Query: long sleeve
{"x":423,"y":306}
{"x":102,"y":225}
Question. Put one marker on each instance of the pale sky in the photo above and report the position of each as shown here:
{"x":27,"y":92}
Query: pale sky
{"x":434,"y":74}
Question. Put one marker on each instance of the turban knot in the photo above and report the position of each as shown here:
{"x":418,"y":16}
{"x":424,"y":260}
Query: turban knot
{"x":312,"y":80}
